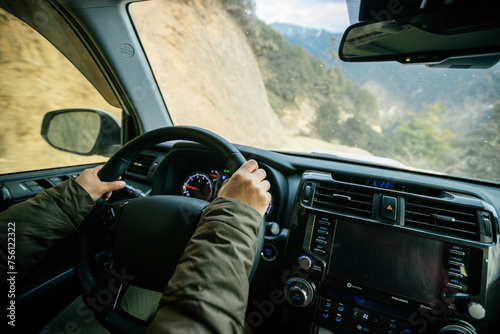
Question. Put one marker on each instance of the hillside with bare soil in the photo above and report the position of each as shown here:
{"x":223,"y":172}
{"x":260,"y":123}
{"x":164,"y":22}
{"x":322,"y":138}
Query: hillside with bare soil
{"x":207,"y":71}
{"x":35,"y":79}
{"x":210,"y":76}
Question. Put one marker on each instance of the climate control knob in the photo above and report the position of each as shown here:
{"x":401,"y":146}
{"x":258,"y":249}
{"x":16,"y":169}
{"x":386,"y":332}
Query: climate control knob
{"x":299,"y":291}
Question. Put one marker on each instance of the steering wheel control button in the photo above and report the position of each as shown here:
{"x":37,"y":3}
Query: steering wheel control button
{"x":299,"y":292}
{"x":269,"y":252}
{"x":388,"y":209}
{"x":305,"y":262}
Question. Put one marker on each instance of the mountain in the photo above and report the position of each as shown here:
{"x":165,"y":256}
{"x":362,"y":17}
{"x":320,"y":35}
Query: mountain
{"x":317,"y":42}
{"x":407,"y":87}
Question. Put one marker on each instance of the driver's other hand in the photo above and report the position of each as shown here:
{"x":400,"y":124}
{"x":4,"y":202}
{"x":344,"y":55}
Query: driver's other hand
{"x":249,"y":185}
{"x":89,"y":180}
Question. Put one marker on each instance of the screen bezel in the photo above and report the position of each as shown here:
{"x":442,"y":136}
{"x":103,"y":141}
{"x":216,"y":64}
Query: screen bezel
{"x":355,"y":288}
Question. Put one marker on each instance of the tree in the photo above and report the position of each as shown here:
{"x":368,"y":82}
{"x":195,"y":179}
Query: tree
{"x":326,"y":123}
{"x":424,"y":141}
{"x":482,"y":157}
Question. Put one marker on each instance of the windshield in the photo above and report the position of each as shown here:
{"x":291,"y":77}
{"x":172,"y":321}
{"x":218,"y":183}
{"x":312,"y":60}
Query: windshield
{"x":266,"y":74}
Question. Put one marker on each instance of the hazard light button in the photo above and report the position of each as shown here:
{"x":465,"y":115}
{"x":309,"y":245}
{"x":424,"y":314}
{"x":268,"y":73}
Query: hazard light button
{"x":388,"y":209}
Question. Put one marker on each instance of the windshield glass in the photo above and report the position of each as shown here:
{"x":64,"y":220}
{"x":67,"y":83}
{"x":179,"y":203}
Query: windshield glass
{"x":266,"y":74}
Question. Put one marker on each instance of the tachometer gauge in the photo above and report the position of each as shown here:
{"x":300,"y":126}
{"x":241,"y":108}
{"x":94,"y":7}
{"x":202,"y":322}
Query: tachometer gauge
{"x":198,"y":185}
{"x":214,"y":175}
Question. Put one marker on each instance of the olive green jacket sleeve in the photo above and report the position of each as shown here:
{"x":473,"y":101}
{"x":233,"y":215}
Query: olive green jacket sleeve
{"x":208,"y":292}
{"x":40,"y":222}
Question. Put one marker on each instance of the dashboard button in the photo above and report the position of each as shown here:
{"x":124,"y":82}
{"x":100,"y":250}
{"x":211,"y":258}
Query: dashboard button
{"x":319,"y":241}
{"x":305,"y":262}
{"x":364,"y":316}
{"x":363,"y":328}
{"x":389,"y":324}
{"x":342,"y":308}
{"x":454,"y":286}
{"x":324,"y":222}
{"x":454,"y":274}
{"x":326,"y":304}
{"x":456,"y":252}
{"x":319,"y":251}
{"x":269,"y":252}
{"x":388,"y":209}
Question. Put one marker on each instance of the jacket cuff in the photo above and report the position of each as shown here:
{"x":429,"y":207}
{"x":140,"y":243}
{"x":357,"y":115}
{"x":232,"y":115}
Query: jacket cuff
{"x":235,"y":213}
{"x":72,"y":199}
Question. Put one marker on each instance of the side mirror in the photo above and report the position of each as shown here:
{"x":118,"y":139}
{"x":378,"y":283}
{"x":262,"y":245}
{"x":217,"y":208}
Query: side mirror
{"x":82,"y":131}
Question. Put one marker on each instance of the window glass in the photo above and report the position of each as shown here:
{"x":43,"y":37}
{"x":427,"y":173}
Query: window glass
{"x":36,"y":78}
{"x":267,"y":74}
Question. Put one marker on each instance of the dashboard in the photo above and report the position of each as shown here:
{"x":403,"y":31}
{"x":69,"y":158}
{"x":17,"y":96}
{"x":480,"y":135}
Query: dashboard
{"x":349,"y":248}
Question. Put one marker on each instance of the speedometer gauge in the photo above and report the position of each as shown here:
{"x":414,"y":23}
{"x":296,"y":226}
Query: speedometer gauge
{"x":198,"y":185}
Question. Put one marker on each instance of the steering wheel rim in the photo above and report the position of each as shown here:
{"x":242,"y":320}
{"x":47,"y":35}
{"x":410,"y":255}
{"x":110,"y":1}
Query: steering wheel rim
{"x":113,"y":317}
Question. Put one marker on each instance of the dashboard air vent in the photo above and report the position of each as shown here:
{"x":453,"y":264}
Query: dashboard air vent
{"x":344,"y":198}
{"x":141,"y":164}
{"x":444,"y":218}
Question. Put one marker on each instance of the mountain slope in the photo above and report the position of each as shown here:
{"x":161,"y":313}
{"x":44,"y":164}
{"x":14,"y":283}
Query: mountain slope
{"x":407,"y":87}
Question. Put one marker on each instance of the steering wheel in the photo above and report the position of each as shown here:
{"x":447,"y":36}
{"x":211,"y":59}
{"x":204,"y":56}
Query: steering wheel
{"x":146,"y":236}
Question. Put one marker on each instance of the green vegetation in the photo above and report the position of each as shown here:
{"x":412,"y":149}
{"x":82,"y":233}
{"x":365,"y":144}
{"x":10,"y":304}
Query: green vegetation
{"x":349,"y":115}
{"x":485,"y":162}
{"x":424,"y":140}
{"x":292,"y":74}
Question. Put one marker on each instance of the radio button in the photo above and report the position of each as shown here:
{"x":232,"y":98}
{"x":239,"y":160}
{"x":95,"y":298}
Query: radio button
{"x":319,"y":241}
{"x":455,"y":258}
{"x":454,"y":274}
{"x":305,"y":262}
{"x":319,"y":251}
{"x":456,"y":252}
{"x":322,"y":232}
{"x":454,"y":286}
{"x":455,"y":263}
{"x":324,"y":222}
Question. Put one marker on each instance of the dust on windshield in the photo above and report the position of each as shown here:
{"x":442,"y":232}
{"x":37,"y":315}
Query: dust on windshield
{"x":226,"y":66}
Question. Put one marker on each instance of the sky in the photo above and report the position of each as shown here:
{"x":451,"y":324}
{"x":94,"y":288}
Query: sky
{"x":320,"y":14}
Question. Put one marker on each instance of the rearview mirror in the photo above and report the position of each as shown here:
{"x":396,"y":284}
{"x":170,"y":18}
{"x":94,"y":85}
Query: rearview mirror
{"x":82,"y":131}
{"x":447,"y":36}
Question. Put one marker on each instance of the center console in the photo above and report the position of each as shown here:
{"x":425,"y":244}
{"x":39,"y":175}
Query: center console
{"x":352,"y":267}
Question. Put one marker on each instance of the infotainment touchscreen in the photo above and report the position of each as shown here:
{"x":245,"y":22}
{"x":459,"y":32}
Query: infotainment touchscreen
{"x":374,"y":257}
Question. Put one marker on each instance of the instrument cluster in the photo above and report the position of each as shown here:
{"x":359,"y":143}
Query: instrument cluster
{"x":205,"y":185}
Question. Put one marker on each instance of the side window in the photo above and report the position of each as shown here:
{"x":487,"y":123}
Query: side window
{"x":36,"y":78}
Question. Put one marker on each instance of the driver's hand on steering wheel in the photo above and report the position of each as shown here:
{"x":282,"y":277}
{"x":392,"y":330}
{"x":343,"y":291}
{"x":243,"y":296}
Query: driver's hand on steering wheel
{"x":248,"y":184}
{"x":89,"y":181}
